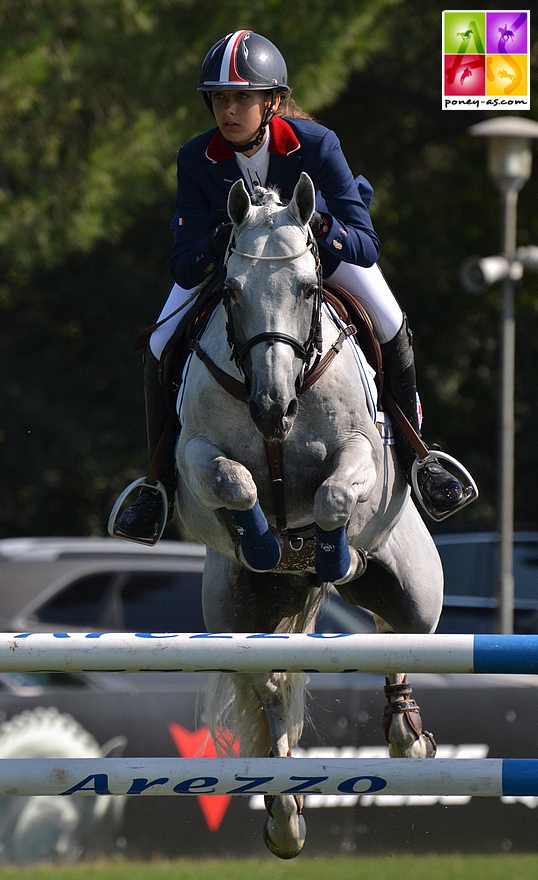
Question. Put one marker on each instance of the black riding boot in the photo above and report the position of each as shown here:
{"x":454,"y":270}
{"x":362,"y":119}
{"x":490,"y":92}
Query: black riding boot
{"x":138,"y":522}
{"x":441,"y":490}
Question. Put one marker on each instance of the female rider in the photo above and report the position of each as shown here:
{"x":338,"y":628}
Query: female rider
{"x":263,"y":137}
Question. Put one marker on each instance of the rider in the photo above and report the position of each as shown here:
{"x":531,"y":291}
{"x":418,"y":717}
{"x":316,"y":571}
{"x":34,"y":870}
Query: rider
{"x":263,"y":137}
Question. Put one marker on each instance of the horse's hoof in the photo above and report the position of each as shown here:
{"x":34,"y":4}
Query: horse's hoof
{"x":284,"y":832}
{"x":285,"y":844}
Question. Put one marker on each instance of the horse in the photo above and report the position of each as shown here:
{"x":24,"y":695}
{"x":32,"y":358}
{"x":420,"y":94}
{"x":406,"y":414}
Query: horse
{"x":285,"y":477}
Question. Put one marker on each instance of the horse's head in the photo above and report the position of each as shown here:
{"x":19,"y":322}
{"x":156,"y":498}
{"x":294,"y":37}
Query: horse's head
{"x":273,"y":299}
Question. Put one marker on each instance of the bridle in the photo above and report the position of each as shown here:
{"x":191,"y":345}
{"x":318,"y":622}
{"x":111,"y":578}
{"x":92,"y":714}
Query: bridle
{"x":304,"y":350}
{"x":307,"y":377}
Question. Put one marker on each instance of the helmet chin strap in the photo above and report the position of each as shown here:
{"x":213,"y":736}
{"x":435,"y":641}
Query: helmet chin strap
{"x":244,"y":148}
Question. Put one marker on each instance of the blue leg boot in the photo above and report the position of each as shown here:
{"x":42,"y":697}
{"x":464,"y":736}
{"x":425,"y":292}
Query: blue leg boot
{"x":332,"y":554}
{"x":259,"y":549}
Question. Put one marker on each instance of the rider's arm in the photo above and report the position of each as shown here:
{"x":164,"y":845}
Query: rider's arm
{"x":195,"y":219}
{"x":351,"y":236}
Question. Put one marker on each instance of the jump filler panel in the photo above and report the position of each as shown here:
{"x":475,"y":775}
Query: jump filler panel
{"x":486,"y":60}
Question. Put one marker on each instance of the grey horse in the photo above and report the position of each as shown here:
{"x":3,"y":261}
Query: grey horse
{"x":291,"y":487}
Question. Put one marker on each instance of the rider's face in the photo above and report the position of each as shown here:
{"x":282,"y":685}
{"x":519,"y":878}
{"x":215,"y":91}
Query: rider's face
{"x":239,"y":114}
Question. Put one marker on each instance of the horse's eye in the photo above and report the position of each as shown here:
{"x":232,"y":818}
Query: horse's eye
{"x":310,"y":291}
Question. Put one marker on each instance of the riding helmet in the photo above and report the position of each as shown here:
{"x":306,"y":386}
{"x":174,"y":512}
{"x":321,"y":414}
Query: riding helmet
{"x":243,"y":60}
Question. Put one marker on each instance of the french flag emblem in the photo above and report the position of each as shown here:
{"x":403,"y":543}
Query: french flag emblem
{"x":228,"y":69}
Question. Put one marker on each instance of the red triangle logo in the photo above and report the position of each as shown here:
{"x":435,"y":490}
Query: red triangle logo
{"x":200,"y":744}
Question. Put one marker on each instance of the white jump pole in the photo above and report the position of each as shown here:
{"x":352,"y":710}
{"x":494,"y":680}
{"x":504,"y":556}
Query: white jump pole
{"x":259,"y":652}
{"x":489,"y":777}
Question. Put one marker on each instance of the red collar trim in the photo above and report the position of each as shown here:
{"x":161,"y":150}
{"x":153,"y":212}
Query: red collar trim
{"x":284,"y":142}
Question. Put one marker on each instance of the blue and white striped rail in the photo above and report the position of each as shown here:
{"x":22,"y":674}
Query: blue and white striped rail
{"x":259,"y":652}
{"x":489,"y":777}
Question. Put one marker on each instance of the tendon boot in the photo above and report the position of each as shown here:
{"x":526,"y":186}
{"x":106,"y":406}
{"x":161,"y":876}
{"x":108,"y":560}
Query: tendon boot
{"x":442,"y":492}
{"x":140,"y":521}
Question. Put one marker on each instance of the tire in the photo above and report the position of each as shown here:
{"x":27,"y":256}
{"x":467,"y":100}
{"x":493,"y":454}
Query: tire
{"x":52,"y":829}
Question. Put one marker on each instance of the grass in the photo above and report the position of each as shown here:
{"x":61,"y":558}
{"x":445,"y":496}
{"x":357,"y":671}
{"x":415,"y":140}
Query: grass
{"x":494,"y":867}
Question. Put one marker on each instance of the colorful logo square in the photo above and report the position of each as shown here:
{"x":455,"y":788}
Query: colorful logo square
{"x":507,"y":32}
{"x":464,"y":32}
{"x":465,"y":74}
{"x":486,"y":59}
{"x":506,"y":75}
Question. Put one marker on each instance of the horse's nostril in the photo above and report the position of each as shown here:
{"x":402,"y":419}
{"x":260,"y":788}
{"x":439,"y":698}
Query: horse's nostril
{"x":291,"y":412}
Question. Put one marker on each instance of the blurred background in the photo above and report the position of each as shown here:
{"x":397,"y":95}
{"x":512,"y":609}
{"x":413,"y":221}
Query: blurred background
{"x":96,"y":97}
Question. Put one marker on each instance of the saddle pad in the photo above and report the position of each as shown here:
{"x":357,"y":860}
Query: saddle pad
{"x":366,"y":373}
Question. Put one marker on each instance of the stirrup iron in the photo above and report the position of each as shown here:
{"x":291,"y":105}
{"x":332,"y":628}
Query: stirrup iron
{"x":470,"y":489}
{"x":142,"y":483}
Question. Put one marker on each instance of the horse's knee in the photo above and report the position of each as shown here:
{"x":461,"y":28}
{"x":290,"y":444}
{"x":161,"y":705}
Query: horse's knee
{"x":233,"y":486}
{"x":333,"y":505}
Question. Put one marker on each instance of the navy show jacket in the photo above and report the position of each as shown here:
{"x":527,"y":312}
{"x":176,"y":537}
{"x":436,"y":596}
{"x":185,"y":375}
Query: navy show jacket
{"x":207,"y":168}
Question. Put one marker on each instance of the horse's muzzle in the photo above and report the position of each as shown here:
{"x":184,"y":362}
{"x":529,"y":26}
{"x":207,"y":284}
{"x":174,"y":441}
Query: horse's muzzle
{"x":273,"y":421}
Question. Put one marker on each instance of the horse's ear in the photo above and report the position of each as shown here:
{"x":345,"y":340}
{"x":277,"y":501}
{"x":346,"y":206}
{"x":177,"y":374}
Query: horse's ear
{"x":239,"y":204}
{"x":304,"y":200}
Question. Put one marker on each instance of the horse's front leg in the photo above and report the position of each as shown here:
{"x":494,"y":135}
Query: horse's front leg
{"x":217,"y":481}
{"x":350,"y":482}
{"x":284,"y":832}
{"x":402,"y":724}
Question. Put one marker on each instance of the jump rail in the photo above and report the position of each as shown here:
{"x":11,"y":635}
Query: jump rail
{"x":262,"y":652}
{"x":488,"y":777}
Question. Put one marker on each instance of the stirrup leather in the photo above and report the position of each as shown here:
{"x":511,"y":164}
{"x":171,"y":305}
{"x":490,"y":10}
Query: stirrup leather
{"x":470,"y":489}
{"x":140,"y":483}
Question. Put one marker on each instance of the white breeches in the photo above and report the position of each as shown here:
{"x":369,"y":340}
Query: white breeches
{"x":367,"y":285}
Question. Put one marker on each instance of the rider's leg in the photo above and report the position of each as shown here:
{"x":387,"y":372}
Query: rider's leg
{"x":440,"y":488}
{"x":138,"y":521}
{"x":176,"y":298}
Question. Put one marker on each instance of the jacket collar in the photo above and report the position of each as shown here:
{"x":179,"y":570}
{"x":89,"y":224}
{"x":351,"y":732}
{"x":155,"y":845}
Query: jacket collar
{"x":284,"y":142}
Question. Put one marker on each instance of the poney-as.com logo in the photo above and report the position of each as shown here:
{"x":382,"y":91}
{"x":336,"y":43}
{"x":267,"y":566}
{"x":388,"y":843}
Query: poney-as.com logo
{"x":486,"y":60}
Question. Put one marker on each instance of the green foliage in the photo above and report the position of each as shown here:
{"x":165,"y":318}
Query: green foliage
{"x":96,"y":96}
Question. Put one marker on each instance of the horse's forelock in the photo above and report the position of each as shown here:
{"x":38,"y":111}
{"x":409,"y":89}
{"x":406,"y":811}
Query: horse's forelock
{"x":266,"y":196}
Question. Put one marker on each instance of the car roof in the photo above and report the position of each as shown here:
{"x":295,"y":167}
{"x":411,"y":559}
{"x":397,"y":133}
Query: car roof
{"x":52,"y":549}
{"x":32,"y":568}
{"x":444,"y":538}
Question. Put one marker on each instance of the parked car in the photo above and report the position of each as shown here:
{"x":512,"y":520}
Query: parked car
{"x":103,"y":584}
{"x":470,"y":563}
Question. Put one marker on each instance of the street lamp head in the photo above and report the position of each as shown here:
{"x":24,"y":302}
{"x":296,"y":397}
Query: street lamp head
{"x":509,"y":149}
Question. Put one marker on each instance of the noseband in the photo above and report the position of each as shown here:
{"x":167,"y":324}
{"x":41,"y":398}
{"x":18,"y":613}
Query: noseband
{"x":303,"y":350}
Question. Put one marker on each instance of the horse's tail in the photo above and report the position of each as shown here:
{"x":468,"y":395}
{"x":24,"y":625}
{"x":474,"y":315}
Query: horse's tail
{"x":236,"y":718}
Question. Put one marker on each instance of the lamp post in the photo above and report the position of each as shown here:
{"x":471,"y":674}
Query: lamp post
{"x":509,"y":164}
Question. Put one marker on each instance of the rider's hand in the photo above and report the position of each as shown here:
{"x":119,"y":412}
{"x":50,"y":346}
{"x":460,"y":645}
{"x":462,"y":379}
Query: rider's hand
{"x":320,"y":224}
{"x":219,"y":238}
